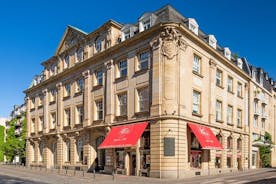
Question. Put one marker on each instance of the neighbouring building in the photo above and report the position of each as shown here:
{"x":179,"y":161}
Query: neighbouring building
{"x":158,"y":98}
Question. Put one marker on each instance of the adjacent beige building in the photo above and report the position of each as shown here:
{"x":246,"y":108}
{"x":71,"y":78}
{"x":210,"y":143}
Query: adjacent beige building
{"x":163,"y":71}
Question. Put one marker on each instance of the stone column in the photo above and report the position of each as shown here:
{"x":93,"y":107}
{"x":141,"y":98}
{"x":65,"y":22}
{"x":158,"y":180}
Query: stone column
{"x":36,"y":152}
{"x":224,"y":151}
{"x":59,"y":112}
{"x":87,"y":98}
{"x":28,"y":153}
{"x":234,"y":152}
{"x":45,"y":111}
{"x":138,"y":157}
{"x":28,"y":118}
{"x":127,"y":169}
{"x":60,"y":151}
{"x":212,"y":92}
{"x":109,"y":92}
{"x":73,"y":149}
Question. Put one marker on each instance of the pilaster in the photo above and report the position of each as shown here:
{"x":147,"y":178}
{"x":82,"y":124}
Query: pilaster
{"x":87,"y":97}
{"x":109,"y":93}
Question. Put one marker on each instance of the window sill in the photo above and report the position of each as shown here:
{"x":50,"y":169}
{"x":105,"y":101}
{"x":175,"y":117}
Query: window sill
{"x":52,"y":102}
{"x":119,"y":79}
{"x":220,"y":121}
{"x":40,"y":107}
{"x":240,"y":96}
{"x":140,"y":72}
{"x":230,"y":124}
{"x":66,"y":126}
{"x":98,"y":121}
{"x":141,"y":113}
{"x":78,"y":93}
{"x":239,"y":126}
{"x":198,"y":74}
{"x":96,"y":87}
{"x":79,"y":124}
{"x":66,"y":97}
{"x":196,"y":114}
{"x":32,"y":109}
{"x":231,"y":92}
{"x":121,"y":117}
{"x":220,"y":86}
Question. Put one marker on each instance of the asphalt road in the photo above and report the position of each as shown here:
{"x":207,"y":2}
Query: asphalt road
{"x":13,"y":180}
{"x":12,"y":175}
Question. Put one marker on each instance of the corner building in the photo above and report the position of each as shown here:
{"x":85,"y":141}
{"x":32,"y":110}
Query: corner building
{"x":158,"y":98}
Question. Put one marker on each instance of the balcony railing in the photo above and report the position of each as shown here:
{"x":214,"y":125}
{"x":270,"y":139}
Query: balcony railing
{"x":257,"y":112}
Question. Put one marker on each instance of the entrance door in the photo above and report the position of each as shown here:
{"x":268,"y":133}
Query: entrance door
{"x":132,"y":164}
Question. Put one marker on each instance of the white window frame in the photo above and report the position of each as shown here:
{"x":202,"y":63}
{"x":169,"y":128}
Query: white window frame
{"x":79,"y":114}
{"x":197,"y":64}
{"x":143,"y":60}
{"x":67,"y":116}
{"x":218,"y":110}
{"x":230,"y":115}
{"x":239,"y":118}
{"x":99,"y":110}
{"x":122,"y":104}
{"x":122,"y":68}
{"x":239,"y":89}
{"x":67,"y":90}
{"x":79,"y":85}
{"x":196,"y":106}
{"x":143,"y":99}
{"x":230,"y":84}
{"x":99,"y":77}
{"x":219,"y":77}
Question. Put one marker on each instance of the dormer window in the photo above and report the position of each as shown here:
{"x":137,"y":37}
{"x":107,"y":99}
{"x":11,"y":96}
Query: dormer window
{"x":53,"y":69}
{"x":128,"y":31}
{"x":127,"y":34}
{"x":66,"y":62}
{"x":227,"y":53}
{"x":98,"y":44}
{"x":146,"y":21}
{"x":193,"y":25}
{"x":212,"y":41}
{"x":261,"y":80}
{"x":239,"y":63}
{"x":79,"y":55}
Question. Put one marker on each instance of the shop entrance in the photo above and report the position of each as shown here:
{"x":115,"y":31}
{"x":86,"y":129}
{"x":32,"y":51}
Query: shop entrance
{"x":132,"y":164}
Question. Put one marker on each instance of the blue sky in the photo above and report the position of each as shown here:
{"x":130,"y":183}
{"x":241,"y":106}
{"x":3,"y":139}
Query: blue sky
{"x":31,"y":30}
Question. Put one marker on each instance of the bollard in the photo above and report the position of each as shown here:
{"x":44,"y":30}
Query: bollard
{"x":94,"y":174}
{"x":113,"y":174}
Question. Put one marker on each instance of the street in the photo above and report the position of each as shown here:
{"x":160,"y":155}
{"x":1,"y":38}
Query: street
{"x":16,"y":175}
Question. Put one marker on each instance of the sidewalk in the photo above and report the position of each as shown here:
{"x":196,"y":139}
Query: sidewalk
{"x":79,"y":177}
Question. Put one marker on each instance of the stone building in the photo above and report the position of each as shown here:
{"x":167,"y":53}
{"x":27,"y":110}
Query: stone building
{"x":158,"y":98}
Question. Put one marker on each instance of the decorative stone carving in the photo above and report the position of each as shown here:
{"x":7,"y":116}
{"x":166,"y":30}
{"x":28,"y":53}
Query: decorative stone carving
{"x":109,"y":64}
{"x":108,"y":39}
{"x":212,"y":63}
{"x":170,"y":40}
{"x":86,"y":73}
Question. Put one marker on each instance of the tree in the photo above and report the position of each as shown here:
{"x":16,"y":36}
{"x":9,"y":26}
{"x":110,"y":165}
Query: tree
{"x":2,"y":137}
{"x":15,"y":145}
{"x":265,"y":151}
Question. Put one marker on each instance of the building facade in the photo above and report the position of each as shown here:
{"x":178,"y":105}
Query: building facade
{"x":161,"y":86}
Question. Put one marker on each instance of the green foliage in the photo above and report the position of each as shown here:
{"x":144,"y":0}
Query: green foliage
{"x":15,"y":145}
{"x":265,"y":151}
{"x":2,"y":136}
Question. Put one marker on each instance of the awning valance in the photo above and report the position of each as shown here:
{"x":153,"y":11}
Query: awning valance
{"x":205,"y":136}
{"x":123,"y":136}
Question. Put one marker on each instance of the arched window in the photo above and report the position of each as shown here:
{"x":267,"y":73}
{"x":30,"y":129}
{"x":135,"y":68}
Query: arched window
{"x":229,"y":142}
{"x":67,"y":151}
{"x":239,"y":144}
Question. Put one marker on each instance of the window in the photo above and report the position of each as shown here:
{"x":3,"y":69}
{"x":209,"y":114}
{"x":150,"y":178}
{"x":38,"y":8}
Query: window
{"x":143,"y":61}
{"x":53,"y":69}
{"x":255,"y":105}
{"x":67,"y":117}
{"x":79,"y":114}
{"x":99,"y":108}
{"x":229,"y":115}
{"x":99,"y":77}
{"x":219,"y":78}
{"x":255,"y":136}
{"x":79,"y":55}
{"x":229,"y":142}
{"x":98,"y":45}
{"x":193,"y":25}
{"x":41,"y":147}
{"x":239,"y":89}
{"x":146,"y":24}
{"x":67,"y":151}
{"x":79,"y":85}
{"x":33,"y":125}
{"x":239,"y":144}
{"x":127,"y":34}
{"x":230,"y":84}
{"x":239,"y":118}
{"x":229,"y":161}
{"x":53,"y":120}
{"x":80,"y":149}
{"x":196,"y":102}
{"x":219,"y":110}
{"x":41,"y":123}
{"x":255,"y":122}
{"x":32,"y":103}
{"x":40,"y":102}
{"x":143,"y":99}
{"x":53,"y":95}
{"x":263,"y":110}
{"x":67,"y":90}
{"x":122,"y":68}
{"x":263,"y":124}
{"x":122,"y":104}
{"x":66,"y":61}
{"x":218,"y":161}
{"x":197,"y":64}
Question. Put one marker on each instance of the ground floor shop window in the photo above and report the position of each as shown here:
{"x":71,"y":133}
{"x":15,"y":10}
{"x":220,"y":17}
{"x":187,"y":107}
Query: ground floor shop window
{"x":218,"y":161}
{"x":120,"y":162}
{"x":100,"y":160}
{"x":195,"y":153}
{"x":254,"y":158}
{"x":229,"y":162}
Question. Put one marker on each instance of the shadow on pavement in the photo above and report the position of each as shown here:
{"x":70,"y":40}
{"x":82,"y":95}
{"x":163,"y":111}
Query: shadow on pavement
{"x":14,"y":180}
{"x":264,"y":181}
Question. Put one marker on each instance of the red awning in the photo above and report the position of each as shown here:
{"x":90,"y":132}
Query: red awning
{"x":205,"y":136}
{"x":124,"y":136}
